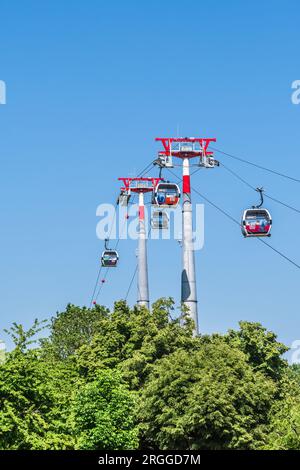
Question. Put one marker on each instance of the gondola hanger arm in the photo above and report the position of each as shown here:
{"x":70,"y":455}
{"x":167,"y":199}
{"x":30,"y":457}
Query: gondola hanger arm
{"x":260,"y":191}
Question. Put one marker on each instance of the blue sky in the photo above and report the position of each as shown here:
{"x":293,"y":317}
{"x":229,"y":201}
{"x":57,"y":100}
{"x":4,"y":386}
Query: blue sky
{"x":89,"y":87}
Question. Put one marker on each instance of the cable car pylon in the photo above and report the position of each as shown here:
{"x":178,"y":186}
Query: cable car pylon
{"x":141,"y":186}
{"x":187,"y":148}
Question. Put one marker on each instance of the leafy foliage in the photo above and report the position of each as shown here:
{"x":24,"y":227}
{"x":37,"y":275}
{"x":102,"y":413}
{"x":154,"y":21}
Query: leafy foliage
{"x":133,"y":378}
{"x":73,"y":328}
{"x":262,"y":348}
{"x":103,"y":414}
{"x":285,"y":415}
{"x":211,"y":399}
{"x":34,"y":398}
{"x":2,"y":352}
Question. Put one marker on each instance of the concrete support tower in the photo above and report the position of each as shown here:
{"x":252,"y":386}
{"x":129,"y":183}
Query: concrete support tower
{"x":140,"y":186}
{"x":188,"y":275}
{"x":143,"y":284}
{"x":187,"y":148}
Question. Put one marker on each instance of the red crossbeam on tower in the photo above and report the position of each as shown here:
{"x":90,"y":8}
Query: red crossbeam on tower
{"x":185,"y":147}
{"x":139,"y":185}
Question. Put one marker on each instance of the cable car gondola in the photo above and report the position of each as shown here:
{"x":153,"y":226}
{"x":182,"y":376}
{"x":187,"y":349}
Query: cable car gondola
{"x":257,"y":221}
{"x":160,"y":220}
{"x":166,"y":195}
{"x":109,"y":258}
{"x":124,"y":198}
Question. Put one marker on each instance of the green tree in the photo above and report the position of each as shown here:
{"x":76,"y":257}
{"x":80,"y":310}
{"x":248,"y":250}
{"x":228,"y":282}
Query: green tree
{"x":104,"y":414}
{"x":263,"y":350}
{"x":72,"y":328}
{"x":134,"y":377}
{"x":2,"y":351}
{"x":34,"y":398}
{"x":284,"y":432}
{"x":133,"y":339}
{"x":206,"y":399}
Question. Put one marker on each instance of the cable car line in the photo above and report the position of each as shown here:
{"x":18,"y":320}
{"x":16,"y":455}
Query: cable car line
{"x":96,"y":285}
{"x":162,"y":201}
{"x":146,"y":170}
{"x":288,"y":206}
{"x":237,"y":176}
{"x":257,"y":166}
{"x":283,"y":203}
{"x":279,"y":252}
{"x":93,"y":298}
{"x":100,"y":268}
{"x":131,"y":282}
{"x":238,"y":223}
{"x":107,"y":269}
{"x":101,"y":285}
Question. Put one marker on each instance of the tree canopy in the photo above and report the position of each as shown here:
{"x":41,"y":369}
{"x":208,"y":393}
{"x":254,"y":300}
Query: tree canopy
{"x":133,"y":378}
